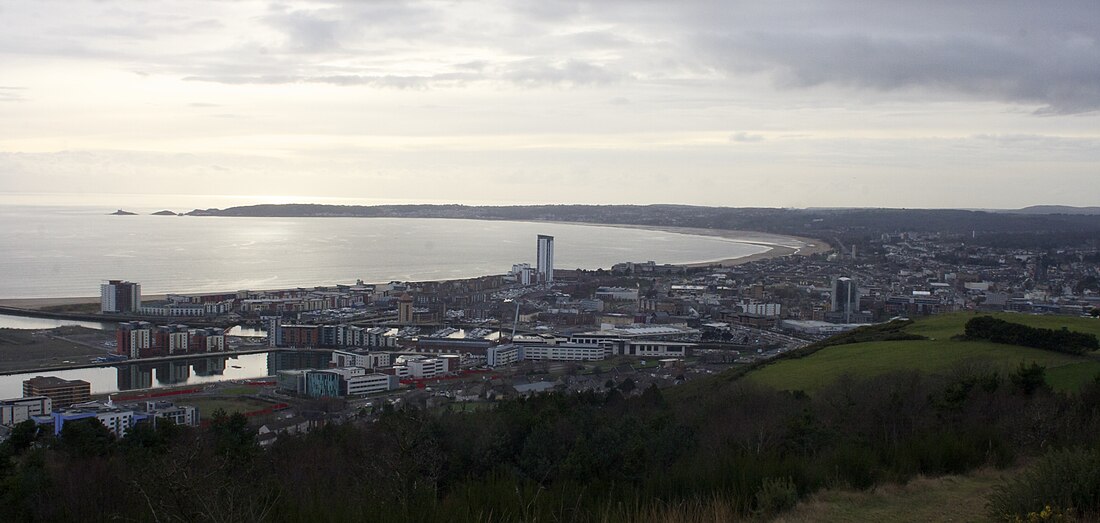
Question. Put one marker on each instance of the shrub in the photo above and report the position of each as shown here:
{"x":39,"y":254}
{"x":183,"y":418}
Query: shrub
{"x":1067,"y":480}
{"x":776,"y":495}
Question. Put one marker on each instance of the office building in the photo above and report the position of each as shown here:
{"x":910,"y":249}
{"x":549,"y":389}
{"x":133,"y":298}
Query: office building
{"x":119,"y":296}
{"x":545,"y":262}
{"x":117,"y":420}
{"x":177,"y":414}
{"x":17,"y":410}
{"x":61,"y":392}
{"x":503,"y":355}
{"x":564,"y":352}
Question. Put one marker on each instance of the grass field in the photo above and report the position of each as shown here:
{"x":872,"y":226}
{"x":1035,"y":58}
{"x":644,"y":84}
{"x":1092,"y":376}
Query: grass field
{"x":938,"y":353}
{"x":207,"y":405}
{"x":947,"y":498}
{"x":25,"y":349}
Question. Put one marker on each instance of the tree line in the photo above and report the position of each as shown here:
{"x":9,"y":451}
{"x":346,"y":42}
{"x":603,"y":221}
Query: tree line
{"x":1001,"y":331}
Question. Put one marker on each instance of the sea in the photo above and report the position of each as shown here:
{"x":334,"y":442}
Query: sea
{"x":67,"y":251}
{"x":60,"y":251}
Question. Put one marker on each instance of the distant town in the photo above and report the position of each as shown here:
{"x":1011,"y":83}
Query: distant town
{"x":533,"y":329}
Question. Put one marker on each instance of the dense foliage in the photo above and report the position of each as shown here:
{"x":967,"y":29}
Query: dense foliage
{"x":1001,"y":331}
{"x":581,"y":457}
{"x":1064,"y":481}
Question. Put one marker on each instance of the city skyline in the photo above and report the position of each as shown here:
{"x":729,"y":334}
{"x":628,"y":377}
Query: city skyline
{"x":823,"y":104}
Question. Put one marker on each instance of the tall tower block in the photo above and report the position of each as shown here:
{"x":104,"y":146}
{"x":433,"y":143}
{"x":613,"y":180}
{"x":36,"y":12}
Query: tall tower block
{"x":546,"y":259}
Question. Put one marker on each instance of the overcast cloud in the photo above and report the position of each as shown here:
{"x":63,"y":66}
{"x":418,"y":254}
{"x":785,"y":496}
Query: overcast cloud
{"x":814,"y":103}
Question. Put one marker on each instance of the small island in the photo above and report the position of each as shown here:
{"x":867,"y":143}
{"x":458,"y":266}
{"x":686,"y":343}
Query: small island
{"x":165,"y":213}
{"x":121,"y":212}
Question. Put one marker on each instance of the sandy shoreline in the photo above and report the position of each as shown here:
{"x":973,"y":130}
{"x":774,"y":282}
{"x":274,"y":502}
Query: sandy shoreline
{"x":778,"y":246}
{"x":39,"y":303}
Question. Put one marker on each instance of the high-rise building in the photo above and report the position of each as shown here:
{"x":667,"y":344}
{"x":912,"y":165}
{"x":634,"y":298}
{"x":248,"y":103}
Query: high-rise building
{"x":545,"y":261}
{"x":119,"y":296}
{"x":845,"y":297}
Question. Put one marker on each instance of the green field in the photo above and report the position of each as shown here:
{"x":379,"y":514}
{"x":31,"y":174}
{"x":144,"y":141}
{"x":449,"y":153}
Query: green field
{"x":939,"y":353}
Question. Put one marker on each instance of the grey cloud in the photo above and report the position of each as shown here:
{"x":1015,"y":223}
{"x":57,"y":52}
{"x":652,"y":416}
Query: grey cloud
{"x":1063,"y":76}
{"x":306,"y":32}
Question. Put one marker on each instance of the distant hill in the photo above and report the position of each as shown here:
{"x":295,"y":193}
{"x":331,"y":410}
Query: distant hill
{"x":165,"y":213}
{"x":938,"y":354}
{"x":121,"y":212}
{"x":1057,"y":209}
{"x":846,"y":225}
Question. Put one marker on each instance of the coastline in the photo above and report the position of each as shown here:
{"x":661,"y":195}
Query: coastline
{"x":778,"y":246}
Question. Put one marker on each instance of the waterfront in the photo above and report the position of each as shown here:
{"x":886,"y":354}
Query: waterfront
{"x":8,"y":321}
{"x":195,"y":370}
{"x":60,"y":252}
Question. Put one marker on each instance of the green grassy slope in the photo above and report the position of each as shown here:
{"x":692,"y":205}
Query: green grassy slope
{"x":936,"y":354}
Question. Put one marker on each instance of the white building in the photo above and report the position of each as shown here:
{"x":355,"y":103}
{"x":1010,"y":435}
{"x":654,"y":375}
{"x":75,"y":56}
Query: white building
{"x":18,"y":410}
{"x":502,"y":355}
{"x":116,"y":419}
{"x":177,"y":310}
{"x":427,"y":368}
{"x":365,"y":359}
{"x":762,"y":309}
{"x":545,"y":259}
{"x":610,"y":333}
{"x":370,"y":383}
{"x":564,"y":352}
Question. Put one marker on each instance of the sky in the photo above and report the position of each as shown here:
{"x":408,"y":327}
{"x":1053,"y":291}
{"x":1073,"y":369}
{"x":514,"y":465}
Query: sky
{"x":931,"y":104}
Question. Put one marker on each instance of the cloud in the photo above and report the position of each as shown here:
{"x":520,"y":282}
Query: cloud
{"x":1061,"y":75}
{"x":391,"y":81}
{"x":539,"y":72}
{"x":305,"y":31}
{"x":743,"y":137}
{"x":12,"y":94}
